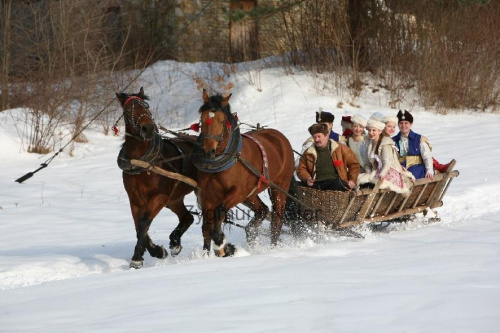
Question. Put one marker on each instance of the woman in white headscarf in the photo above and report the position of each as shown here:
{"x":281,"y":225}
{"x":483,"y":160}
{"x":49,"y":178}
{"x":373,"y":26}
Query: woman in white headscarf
{"x":358,"y":141}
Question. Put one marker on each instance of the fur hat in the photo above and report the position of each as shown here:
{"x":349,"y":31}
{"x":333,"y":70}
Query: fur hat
{"x":318,"y":128}
{"x":358,"y":119}
{"x":377,"y":116}
{"x":373,"y":123}
{"x":324,"y":117}
{"x":405,"y":115}
{"x":390,"y":119}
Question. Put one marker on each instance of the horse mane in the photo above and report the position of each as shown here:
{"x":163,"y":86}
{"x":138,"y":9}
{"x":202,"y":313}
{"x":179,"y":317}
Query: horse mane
{"x":215,"y":103}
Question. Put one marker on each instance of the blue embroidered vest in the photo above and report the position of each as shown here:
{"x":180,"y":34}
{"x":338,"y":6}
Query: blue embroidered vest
{"x":418,"y":170}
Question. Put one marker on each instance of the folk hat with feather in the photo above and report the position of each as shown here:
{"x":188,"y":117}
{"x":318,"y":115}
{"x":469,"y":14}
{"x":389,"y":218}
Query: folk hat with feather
{"x":405,"y":115}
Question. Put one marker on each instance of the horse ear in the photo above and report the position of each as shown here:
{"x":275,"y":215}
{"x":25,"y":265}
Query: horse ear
{"x":141,"y":92}
{"x":225,"y":101}
{"x":120,"y":97}
{"x":205,"y":96}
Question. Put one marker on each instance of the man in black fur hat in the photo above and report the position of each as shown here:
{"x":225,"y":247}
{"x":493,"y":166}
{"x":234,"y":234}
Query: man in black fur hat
{"x":323,"y":117}
{"x":414,"y":149}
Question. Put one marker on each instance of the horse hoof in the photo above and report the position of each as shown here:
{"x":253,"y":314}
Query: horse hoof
{"x":136,"y":264}
{"x":165,"y":253}
{"x":230,"y":250}
{"x":174,"y":251}
{"x":226,"y":251}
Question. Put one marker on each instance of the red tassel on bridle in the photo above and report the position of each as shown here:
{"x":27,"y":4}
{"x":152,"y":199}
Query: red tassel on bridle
{"x":208,"y":121}
{"x":195,"y":127}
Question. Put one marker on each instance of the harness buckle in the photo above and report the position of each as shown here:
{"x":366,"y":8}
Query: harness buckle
{"x":262,"y":179}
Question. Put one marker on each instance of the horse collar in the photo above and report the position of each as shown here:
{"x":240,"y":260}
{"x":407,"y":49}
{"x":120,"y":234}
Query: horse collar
{"x":152,"y":155}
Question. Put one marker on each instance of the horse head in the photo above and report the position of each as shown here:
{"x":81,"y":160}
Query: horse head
{"x":139,"y":122}
{"x":215,"y":121}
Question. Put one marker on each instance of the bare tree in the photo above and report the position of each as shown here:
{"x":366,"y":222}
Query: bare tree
{"x":5,"y":40}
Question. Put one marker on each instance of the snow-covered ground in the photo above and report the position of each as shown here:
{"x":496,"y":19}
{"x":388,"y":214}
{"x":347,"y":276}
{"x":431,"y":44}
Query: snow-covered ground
{"x":67,"y":235}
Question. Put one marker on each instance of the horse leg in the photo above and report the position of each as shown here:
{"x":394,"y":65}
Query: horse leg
{"x":185,"y":221}
{"x":143,"y":221}
{"x":231,"y":199}
{"x":207,"y":227}
{"x":260,"y":210}
{"x":221,"y":247}
{"x":278,"y":200}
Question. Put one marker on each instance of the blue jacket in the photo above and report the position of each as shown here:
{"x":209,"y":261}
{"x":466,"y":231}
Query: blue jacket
{"x":418,"y":170}
{"x":334,"y":136}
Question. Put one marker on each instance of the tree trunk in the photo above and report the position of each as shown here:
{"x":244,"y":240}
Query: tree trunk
{"x":358,"y":26}
{"x":5,"y":14}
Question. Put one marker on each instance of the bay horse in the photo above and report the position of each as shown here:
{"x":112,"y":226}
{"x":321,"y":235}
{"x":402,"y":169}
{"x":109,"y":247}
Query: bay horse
{"x":149,"y":192}
{"x":234,"y":169}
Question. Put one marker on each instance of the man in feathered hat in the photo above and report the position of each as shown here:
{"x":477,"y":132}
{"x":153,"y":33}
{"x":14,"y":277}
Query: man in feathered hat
{"x":414,"y":149}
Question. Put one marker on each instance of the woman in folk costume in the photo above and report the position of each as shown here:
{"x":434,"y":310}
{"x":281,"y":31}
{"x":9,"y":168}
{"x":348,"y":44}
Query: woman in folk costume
{"x":346,"y":125}
{"x":383,"y":162}
{"x":357,"y":140}
{"x":390,"y":125}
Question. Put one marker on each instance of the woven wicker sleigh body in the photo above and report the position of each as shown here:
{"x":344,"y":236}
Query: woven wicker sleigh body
{"x":344,"y":209}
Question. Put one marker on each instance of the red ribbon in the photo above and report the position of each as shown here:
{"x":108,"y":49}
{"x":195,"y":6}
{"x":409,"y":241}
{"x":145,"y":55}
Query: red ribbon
{"x":116,"y":130}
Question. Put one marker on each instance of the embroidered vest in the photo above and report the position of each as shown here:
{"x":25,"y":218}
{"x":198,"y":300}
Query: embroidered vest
{"x":413,"y":159}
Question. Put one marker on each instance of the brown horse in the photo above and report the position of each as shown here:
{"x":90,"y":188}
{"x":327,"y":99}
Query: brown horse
{"x":149,"y":192}
{"x":235,"y":169}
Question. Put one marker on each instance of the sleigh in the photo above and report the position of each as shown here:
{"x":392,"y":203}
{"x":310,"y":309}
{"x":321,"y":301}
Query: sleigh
{"x":342,"y":210}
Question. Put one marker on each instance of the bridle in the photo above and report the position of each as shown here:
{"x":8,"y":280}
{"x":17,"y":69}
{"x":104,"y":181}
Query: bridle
{"x":133,"y":122}
{"x":153,"y":153}
{"x":226,"y":131}
{"x":229,"y":141}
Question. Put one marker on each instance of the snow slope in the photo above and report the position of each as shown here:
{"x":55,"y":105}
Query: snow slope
{"x":67,"y":234}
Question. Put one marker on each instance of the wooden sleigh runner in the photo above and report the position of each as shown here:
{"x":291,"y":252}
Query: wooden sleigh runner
{"x":342,"y":210}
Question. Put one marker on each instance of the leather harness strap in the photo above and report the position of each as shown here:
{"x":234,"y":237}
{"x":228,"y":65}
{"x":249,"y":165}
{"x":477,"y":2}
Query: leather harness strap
{"x":264,"y":176}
